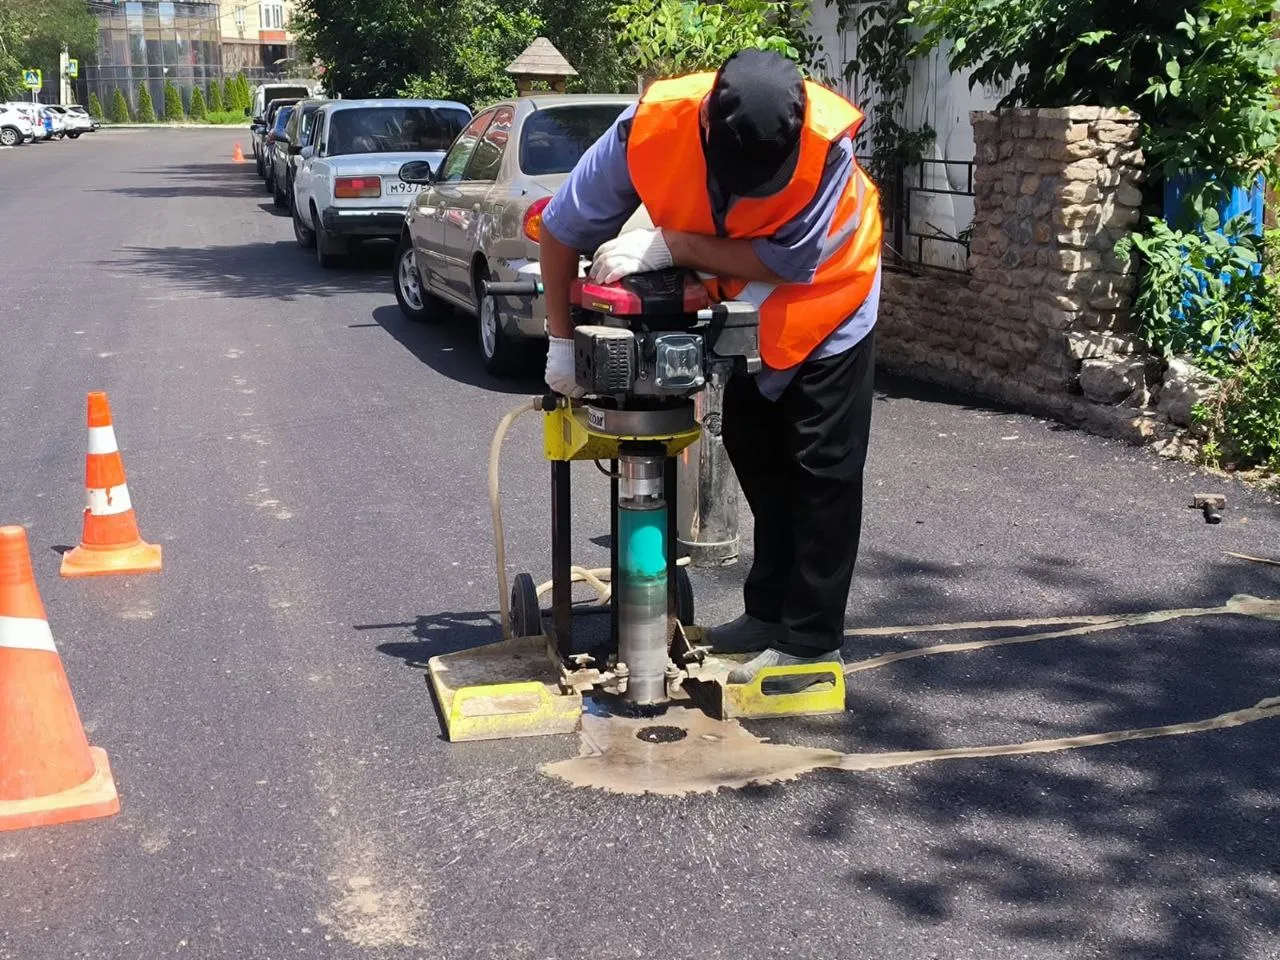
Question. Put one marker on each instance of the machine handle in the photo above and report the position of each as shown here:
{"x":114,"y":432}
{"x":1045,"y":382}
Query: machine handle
{"x":515,"y":288}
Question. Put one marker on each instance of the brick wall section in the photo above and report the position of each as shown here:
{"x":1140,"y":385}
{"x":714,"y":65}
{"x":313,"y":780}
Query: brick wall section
{"x":1054,"y":191}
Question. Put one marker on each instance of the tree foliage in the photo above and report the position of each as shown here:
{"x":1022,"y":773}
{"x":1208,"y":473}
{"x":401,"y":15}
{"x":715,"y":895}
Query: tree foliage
{"x":663,"y":38}
{"x":173,"y":111}
{"x":199,"y":111}
{"x":457,"y":50}
{"x":32,"y":33}
{"x":485,"y":37}
{"x":1201,"y":73}
{"x":215,"y":102}
{"x":119,"y":107}
{"x":95,"y":106}
{"x":146,"y":109}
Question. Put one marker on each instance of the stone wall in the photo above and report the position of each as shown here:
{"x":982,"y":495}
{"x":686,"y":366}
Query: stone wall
{"x":1042,"y":320}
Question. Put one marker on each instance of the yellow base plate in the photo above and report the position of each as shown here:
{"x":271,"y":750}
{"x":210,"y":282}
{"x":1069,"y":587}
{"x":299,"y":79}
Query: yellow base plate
{"x":744,"y":701}
{"x":502,"y":690}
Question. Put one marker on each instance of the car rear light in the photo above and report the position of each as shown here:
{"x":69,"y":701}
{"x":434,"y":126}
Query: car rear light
{"x":533,"y":219}
{"x":353,"y":188}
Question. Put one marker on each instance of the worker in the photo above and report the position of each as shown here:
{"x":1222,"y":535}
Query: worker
{"x":748,"y":176}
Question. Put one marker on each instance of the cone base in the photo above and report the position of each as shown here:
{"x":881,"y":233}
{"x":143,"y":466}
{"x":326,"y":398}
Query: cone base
{"x":96,"y":797}
{"x":86,"y":561}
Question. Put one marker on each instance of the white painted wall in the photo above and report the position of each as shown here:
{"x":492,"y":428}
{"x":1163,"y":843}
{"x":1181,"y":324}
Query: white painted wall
{"x":936,"y":97}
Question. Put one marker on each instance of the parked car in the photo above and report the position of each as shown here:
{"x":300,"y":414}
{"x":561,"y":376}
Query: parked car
{"x":74,"y":123}
{"x":272,"y":142}
{"x":35,"y":117}
{"x":75,"y":108}
{"x":264,"y":93}
{"x":54,"y":122}
{"x":15,"y":128}
{"x":479,"y":215}
{"x":347,"y":185}
{"x":261,"y":126}
{"x":287,"y":147}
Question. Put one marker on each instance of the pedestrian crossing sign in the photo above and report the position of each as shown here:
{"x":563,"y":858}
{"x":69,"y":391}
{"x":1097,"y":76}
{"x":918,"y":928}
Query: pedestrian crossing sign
{"x":73,"y":69}
{"x":32,"y":79}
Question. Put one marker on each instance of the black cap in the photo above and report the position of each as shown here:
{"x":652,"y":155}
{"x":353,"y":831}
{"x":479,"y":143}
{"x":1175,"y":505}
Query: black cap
{"x":755,"y":113}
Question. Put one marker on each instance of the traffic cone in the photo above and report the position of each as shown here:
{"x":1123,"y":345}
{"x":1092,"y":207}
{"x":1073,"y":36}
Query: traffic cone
{"x":237,"y":155}
{"x":48,"y":772}
{"x":110,"y":542}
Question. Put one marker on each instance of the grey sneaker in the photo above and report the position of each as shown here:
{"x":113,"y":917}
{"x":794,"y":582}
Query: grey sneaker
{"x":774,"y":658}
{"x":745,"y":635}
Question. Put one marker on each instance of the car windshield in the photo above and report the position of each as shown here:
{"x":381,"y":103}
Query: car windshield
{"x":282,"y":118}
{"x":555,"y":138}
{"x":394,"y":129}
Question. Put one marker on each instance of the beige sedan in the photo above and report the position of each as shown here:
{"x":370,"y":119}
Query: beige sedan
{"x":478,"y":216}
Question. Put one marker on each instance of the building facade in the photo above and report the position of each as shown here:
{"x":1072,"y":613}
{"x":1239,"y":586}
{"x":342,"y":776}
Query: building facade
{"x":146,"y":42}
{"x":256,"y":40}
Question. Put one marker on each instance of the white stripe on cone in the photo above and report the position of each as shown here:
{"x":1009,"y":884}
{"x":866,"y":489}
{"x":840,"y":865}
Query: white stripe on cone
{"x":26,"y":633}
{"x":105,"y":503}
{"x":102,"y":440}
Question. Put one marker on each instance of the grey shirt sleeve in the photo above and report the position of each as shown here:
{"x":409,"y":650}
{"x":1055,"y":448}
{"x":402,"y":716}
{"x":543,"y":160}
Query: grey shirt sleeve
{"x":598,"y":198}
{"x":795,"y":251}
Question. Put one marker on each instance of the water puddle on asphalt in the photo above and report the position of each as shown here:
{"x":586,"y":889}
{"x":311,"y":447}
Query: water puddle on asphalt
{"x":625,"y":755}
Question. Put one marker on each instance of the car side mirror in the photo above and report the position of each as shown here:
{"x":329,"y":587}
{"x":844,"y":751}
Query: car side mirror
{"x":417,"y":171}
{"x":307,"y":152}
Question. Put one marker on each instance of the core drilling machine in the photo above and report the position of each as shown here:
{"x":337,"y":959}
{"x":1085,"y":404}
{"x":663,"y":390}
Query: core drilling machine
{"x":644,"y":347}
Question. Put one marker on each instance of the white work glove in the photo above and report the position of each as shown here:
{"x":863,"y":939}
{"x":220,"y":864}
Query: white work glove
{"x":560,"y":368}
{"x":636,"y":251}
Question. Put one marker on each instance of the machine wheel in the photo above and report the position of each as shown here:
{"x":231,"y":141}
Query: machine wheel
{"x":269,"y":181}
{"x":684,"y":597}
{"x":10,"y":137}
{"x":74,"y":136}
{"x":526,"y":613}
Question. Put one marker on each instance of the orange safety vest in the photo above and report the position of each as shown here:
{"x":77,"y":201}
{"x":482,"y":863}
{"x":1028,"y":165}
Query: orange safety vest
{"x":668,"y":169}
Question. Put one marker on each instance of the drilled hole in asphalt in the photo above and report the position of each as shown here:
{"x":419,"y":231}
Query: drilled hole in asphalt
{"x":661,"y":734}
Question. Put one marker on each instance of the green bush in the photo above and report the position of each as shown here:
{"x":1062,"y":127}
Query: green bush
{"x":119,"y":107}
{"x":95,"y":107}
{"x":146,"y":109}
{"x":229,"y":93}
{"x":664,"y":38}
{"x":225,"y":117}
{"x":198,"y":109}
{"x":173,"y":111}
{"x":1213,"y":296}
{"x":215,"y":98}
{"x":244,"y":96}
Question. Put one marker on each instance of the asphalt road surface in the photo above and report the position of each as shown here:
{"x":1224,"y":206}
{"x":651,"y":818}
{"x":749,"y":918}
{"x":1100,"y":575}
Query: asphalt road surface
{"x":314,"y":466}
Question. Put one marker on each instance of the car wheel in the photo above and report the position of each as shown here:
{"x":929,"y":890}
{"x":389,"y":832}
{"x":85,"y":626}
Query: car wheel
{"x":330,"y":250}
{"x":411,"y":293}
{"x":270,"y":181}
{"x":74,"y":136}
{"x":279,"y":198}
{"x":9,"y":137}
{"x":257,"y":161}
{"x":302,"y":233}
{"x":502,"y":353}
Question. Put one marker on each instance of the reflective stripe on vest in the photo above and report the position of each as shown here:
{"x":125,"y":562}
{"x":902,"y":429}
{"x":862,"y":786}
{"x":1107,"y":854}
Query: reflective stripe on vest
{"x":668,"y":169}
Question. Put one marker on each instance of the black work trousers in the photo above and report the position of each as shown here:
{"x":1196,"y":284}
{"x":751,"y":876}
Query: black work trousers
{"x":799,"y":460}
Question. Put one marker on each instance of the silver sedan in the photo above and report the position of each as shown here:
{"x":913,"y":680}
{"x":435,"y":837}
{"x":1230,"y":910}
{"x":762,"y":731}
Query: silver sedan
{"x":478,"y":216}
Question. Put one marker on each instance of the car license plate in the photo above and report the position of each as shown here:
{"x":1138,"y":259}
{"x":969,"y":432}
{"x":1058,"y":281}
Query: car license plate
{"x":399,"y":186}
